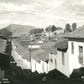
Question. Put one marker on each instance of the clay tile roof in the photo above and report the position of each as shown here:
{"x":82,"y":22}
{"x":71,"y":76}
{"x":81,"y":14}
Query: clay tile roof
{"x":39,"y":54}
{"x":78,"y":33}
{"x":43,"y":54}
{"x":61,"y":43}
{"x":62,"y":46}
{"x":22,"y":51}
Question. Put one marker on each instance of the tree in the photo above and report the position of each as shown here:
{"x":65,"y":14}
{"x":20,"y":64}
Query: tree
{"x":5,"y":34}
{"x":67,"y":28}
{"x":48,"y":29}
{"x":36,"y":31}
{"x":74,"y":25}
{"x":53,"y":28}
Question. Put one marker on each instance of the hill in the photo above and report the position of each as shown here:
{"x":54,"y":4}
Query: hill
{"x":18,"y":30}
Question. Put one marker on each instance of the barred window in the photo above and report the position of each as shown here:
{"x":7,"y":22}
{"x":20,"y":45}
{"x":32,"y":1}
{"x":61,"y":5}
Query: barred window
{"x":80,"y":50}
{"x":80,"y":54}
{"x":72,"y":47}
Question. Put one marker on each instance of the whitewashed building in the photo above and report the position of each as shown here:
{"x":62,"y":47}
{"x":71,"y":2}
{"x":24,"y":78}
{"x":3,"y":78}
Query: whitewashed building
{"x":76,"y":49}
{"x":70,"y":54}
{"x":58,"y":31}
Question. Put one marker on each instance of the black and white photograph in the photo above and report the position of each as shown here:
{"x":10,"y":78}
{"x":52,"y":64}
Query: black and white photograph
{"x":41,"y":41}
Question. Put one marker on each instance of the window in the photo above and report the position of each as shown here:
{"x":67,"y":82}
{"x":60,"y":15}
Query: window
{"x":81,"y":50}
{"x":51,"y":57}
{"x":72,"y":47}
{"x":63,"y":58}
{"x":51,"y":60}
{"x":81,"y":54}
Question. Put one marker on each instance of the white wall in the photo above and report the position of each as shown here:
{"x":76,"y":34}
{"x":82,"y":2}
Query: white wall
{"x":64,"y":68}
{"x":23,"y":63}
{"x":40,"y":67}
{"x":44,"y":67}
{"x":33,"y":65}
{"x":57,"y":63}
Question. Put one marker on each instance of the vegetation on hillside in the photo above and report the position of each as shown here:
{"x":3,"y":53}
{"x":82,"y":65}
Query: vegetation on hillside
{"x":5,"y":34}
{"x":18,"y":30}
{"x":52,"y":28}
{"x":36,"y":31}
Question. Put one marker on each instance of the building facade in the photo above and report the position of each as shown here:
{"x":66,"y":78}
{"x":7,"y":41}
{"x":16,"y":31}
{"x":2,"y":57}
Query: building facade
{"x":71,"y":58}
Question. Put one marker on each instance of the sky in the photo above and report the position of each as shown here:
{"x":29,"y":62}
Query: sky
{"x":41,"y":13}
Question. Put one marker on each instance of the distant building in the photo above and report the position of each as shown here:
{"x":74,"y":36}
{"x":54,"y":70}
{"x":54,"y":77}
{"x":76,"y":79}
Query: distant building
{"x":58,"y":31}
{"x":34,"y":46}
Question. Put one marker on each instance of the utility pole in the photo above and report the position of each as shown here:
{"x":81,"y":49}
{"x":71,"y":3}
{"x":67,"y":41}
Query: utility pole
{"x":29,"y":48}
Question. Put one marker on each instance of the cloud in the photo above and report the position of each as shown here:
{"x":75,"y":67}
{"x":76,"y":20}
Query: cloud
{"x":9,"y":7}
{"x":42,"y":12}
{"x":38,"y":5}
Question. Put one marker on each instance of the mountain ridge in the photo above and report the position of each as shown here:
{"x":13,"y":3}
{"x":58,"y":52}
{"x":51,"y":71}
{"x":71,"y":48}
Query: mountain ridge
{"x":18,"y":30}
